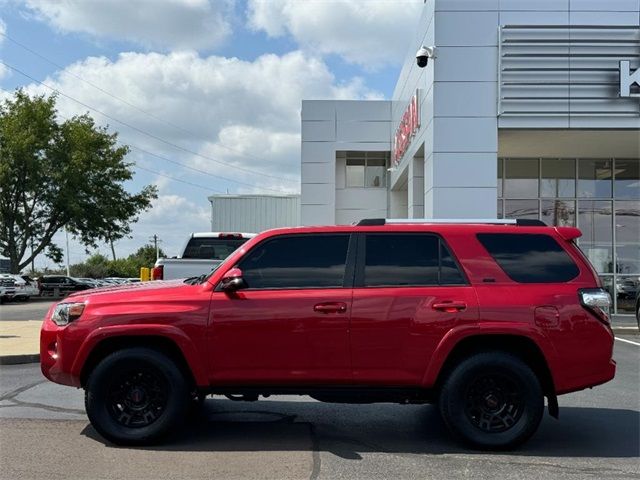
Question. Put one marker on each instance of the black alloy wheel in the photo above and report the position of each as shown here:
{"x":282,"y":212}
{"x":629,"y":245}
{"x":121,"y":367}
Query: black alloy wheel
{"x":493,"y":403}
{"x":492,"y":400}
{"x":136,"y":396}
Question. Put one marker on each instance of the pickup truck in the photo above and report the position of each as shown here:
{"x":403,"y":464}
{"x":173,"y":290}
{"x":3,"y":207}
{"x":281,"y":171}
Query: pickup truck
{"x":201,"y":254}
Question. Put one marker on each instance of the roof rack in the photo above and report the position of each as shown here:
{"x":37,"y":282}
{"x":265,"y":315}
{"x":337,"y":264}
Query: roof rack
{"x":521,"y":222}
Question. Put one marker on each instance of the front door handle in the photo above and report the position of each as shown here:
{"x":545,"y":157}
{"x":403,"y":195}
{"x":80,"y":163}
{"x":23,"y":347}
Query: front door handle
{"x":330,"y":307}
{"x":450,"y":306}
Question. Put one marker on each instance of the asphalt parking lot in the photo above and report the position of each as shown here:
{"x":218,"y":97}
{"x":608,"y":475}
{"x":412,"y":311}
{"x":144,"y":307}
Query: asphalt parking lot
{"x":44,"y":433}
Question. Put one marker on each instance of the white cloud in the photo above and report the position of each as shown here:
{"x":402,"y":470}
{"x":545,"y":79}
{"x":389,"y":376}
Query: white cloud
{"x":251,"y":107}
{"x":370,"y":33}
{"x":244,"y":113}
{"x":169,"y":24}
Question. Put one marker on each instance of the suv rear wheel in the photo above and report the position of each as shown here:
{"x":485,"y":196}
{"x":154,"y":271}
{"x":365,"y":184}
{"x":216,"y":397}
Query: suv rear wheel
{"x":492,"y":400}
{"x":136,"y":396}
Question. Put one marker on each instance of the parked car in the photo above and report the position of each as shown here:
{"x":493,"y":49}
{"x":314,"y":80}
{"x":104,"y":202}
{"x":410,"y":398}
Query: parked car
{"x":25,"y":287}
{"x":7,"y":289}
{"x":202,"y":252}
{"x":483,"y":319}
{"x":61,"y":285}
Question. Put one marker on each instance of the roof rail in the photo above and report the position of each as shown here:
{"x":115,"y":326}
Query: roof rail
{"x":521,"y":222}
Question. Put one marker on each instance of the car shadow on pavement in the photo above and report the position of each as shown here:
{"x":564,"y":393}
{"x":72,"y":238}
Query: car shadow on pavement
{"x":347,"y":431}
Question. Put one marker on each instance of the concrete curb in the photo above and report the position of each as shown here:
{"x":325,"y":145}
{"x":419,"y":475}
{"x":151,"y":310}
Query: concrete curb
{"x":19,"y":359}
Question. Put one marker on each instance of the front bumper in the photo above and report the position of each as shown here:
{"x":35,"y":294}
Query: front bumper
{"x":58,"y":349}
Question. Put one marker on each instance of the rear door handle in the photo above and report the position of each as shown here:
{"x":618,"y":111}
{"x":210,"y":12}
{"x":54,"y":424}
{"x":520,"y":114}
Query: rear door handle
{"x":449,"y":306}
{"x":330,"y":307}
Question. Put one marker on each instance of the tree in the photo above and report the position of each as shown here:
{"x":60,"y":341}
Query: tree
{"x":60,"y":175}
{"x":146,"y":256}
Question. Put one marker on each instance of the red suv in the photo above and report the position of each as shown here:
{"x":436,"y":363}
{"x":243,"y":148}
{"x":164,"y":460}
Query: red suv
{"x":483,"y":319}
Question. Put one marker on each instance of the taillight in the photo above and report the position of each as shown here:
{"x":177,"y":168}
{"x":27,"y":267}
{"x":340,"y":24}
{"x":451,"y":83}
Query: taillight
{"x":229,"y":235}
{"x":597,"y":301}
{"x":157,"y":273}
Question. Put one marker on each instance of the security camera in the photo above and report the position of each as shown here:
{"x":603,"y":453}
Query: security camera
{"x":424,"y":54}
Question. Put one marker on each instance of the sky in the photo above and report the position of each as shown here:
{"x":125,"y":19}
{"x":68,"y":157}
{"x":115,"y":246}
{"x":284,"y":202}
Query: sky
{"x":207,"y":93}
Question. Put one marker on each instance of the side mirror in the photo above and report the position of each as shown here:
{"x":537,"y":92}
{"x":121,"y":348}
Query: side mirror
{"x":232,"y":281}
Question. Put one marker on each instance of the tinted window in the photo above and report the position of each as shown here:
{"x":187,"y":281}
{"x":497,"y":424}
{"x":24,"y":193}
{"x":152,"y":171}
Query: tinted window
{"x":212,"y":248}
{"x":408,"y":259}
{"x":530,"y":258}
{"x":304,"y":261}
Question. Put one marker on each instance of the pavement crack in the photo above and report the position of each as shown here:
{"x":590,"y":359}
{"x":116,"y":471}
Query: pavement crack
{"x":42,"y":406}
{"x":315,"y":453}
{"x":18,"y":391}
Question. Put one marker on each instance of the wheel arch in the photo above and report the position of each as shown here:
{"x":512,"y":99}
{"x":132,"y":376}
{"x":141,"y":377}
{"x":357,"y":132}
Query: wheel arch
{"x":161,"y":343}
{"x":520,"y":346}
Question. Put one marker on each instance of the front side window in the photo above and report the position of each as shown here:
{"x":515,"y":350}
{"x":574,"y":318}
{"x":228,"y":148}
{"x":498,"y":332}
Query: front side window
{"x":301,"y":261}
{"x":408,"y":260}
{"x":530,"y":258}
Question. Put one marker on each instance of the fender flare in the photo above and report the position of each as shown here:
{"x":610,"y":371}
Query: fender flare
{"x":174,"y":334}
{"x":457,"y":334}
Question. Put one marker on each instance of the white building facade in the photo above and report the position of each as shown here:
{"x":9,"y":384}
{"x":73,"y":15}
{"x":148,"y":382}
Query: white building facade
{"x":531,"y":109}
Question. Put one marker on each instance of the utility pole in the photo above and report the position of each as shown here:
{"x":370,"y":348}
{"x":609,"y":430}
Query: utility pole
{"x":66,"y":232}
{"x":155,"y":241}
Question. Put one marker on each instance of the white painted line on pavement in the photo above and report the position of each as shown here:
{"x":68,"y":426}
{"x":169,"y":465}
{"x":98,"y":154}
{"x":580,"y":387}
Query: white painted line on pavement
{"x":627,"y":341}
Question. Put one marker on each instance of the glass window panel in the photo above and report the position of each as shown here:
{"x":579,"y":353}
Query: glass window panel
{"x":627,"y":236}
{"x":607,"y":284}
{"x":521,"y":209}
{"x":627,"y":178}
{"x":302,"y":261}
{"x":595,"y":219}
{"x":375,"y":176}
{"x":530,"y":258}
{"x":500,"y":215}
{"x":594,"y":178}
{"x":521,"y":178}
{"x":395,"y":260}
{"x":626,"y":291}
{"x":558,"y":177}
{"x":561,"y":213}
{"x":376,"y":162}
{"x":500,"y":168}
{"x":355,"y":161}
{"x":355,"y":176}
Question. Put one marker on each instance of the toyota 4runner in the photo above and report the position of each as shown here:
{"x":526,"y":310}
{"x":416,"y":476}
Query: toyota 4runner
{"x":482,"y":319}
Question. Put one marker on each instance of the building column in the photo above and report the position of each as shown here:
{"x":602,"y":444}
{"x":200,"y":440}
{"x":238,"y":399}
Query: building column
{"x":415,"y":188}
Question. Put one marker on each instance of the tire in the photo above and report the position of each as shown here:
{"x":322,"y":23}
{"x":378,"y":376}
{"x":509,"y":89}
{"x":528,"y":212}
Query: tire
{"x":136,"y":396}
{"x":492,"y":401}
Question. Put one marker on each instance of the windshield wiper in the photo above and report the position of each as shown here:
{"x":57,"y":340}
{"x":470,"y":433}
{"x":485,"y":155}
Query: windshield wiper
{"x":196,"y":280}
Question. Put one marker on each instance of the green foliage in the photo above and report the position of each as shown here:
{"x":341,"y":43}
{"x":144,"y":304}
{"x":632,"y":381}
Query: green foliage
{"x":55,"y":175}
{"x":99,"y":266}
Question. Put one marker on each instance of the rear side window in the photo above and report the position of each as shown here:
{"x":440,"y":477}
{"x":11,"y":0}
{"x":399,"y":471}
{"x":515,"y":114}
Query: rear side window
{"x":301,"y":261}
{"x":530,"y":258}
{"x":408,"y":260}
{"x":212,"y":248}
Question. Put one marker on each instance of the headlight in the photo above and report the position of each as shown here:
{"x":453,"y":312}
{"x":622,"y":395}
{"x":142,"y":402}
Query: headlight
{"x":66,"y":313}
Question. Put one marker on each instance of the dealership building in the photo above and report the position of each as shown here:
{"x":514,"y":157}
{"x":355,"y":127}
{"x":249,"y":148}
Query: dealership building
{"x":528,"y":109}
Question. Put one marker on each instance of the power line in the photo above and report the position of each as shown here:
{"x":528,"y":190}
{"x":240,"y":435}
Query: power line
{"x":151,"y":135}
{"x":126,"y":102}
{"x":196,"y":169}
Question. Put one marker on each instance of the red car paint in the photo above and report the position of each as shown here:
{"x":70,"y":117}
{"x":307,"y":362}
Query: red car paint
{"x":396,"y":336}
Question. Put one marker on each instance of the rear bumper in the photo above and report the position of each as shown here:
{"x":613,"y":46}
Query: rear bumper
{"x":593,"y":379}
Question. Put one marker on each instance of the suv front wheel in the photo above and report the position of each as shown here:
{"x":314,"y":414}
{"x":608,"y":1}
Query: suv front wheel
{"x":136,"y":396}
{"x":492,"y":400}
